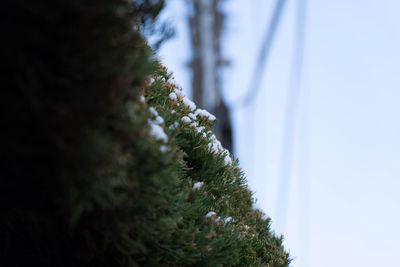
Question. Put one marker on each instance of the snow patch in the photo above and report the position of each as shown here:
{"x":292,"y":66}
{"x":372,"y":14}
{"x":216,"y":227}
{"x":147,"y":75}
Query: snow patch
{"x":153,"y":111}
{"x":210,"y":214}
{"x":173,"y":96}
{"x":157,"y":132}
{"x":216,"y":147}
{"x":185,"y":119}
{"x":228,"y":160}
{"x":155,"y":129}
{"x":165,"y":148}
{"x":200,"y":129}
{"x":187,"y":102}
{"x":228,"y":219}
{"x":192,"y":116}
{"x":197,"y":185}
{"x":205,"y":113}
{"x":159,"y":120}
{"x":178,"y":92}
{"x":174,"y":125}
{"x":142,"y":99}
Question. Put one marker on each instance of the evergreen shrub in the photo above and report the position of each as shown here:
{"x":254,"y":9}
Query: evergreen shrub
{"x":104,"y":161}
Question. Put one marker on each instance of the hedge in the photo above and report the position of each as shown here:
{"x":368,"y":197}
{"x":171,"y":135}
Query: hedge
{"x":104,"y":161}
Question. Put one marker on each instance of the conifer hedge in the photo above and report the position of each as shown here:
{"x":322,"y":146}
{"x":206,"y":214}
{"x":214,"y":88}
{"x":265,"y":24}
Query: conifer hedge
{"x":104,"y":161}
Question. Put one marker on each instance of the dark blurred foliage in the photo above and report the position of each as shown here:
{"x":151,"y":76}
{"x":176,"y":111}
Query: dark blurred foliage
{"x":67,"y":69}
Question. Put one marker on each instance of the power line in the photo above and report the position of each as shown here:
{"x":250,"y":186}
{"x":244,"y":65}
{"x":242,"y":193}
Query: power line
{"x":303,"y":177}
{"x":254,"y":87}
{"x":304,"y":183}
{"x":291,"y":107}
{"x":263,"y":58}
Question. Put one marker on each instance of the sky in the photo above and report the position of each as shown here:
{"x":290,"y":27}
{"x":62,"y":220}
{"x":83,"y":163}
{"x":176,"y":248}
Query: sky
{"x":343,"y":200}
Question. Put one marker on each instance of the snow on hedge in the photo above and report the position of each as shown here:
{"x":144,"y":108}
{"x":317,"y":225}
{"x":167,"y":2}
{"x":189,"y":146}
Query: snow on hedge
{"x":198,"y":185}
{"x":156,"y":130}
{"x":225,"y":202}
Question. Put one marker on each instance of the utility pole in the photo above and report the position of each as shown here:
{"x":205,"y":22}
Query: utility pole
{"x":206,"y":23}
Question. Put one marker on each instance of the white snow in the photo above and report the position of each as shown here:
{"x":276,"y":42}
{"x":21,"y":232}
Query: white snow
{"x":215,"y":145}
{"x":194,"y":124}
{"x":227,"y":160}
{"x":192,"y":116}
{"x":185,"y":119}
{"x":173,"y":96}
{"x":205,"y":113}
{"x":142,"y":99}
{"x":155,"y":129}
{"x":174,"y":125}
{"x":228,"y":219}
{"x":178,"y":92}
{"x":165,"y":148}
{"x":187,"y":102}
{"x":200,"y":129}
{"x":157,"y":132}
{"x":197,"y":185}
{"x":159,"y":120}
{"x":246,"y":227}
{"x":153,"y":111}
{"x":211,"y":117}
{"x":173,"y":111}
{"x":209,"y":214}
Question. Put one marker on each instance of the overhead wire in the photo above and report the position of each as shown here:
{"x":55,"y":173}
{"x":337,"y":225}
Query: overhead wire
{"x":292,"y":103}
{"x":262,"y":59}
{"x":303,"y":177}
{"x":254,"y":87}
{"x":303,"y":173}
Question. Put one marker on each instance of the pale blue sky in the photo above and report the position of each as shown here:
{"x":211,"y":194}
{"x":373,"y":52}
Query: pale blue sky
{"x":347,"y":133}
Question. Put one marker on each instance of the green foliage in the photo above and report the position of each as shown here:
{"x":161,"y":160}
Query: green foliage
{"x":91,"y":176}
{"x":242,"y":240}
